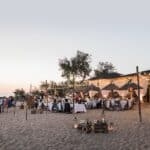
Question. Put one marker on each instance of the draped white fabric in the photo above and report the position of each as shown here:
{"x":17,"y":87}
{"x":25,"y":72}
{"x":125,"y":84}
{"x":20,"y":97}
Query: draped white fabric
{"x":79,"y":108}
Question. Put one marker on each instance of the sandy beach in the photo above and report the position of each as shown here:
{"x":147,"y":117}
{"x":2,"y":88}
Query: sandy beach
{"x":54,"y":131}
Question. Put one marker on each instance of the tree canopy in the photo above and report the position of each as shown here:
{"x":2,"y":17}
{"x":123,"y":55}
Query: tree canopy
{"x":105,"y":69}
{"x":77,"y":67}
{"x":36,"y":92}
{"x":19,"y":94}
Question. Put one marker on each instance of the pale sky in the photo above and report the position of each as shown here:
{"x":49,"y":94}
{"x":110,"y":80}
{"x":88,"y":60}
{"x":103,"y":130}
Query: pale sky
{"x":34,"y":34}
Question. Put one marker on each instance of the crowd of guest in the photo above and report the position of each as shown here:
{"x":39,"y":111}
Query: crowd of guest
{"x":55,"y":104}
{"x":66,"y":105}
{"x":110,"y":104}
{"x":6,"y":103}
{"x":61,"y":106}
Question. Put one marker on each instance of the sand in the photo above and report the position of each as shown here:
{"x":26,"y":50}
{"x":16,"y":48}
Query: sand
{"x":54,"y":131}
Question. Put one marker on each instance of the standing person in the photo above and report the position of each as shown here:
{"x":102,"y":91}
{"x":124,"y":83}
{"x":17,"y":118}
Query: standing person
{"x":2,"y":107}
{"x":10,"y":101}
{"x":1,"y":103}
{"x":13,"y":102}
{"x":67,"y":106}
{"x":39,"y":104}
{"x":42,"y":95}
{"x":55,"y":107}
{"x":36,"y":104}
{"x":63,"y":105}
{"x":42,"y":105}
{"x":59,"y":106}
{"x":6,"y":103}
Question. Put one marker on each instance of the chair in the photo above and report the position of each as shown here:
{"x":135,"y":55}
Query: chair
{"x":130,"y":104}
{"x":94,"y":104}
{"x":107,"y":104}
{"x":112,"y":102}
{"x":123,"y":104}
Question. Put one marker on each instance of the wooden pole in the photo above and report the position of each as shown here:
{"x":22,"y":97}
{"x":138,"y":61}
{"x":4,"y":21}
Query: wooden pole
{"x":26,"y":113}
{"x":25,"y":107}
{"x":7,"y":108}
{"x":148,"y":94}
{"x":139,"y":102}
{"x":14,"y":110}
{"x":103,"y":109}
{"x":73,"y":94}
{"x":46,"y":98}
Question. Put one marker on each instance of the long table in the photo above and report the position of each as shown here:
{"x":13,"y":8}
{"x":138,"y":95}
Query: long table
{"x":79,"y":108}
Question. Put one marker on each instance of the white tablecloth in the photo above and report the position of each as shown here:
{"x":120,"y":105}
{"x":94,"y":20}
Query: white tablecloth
{"x":123,"y":103}
{"x":79,"y":108}
{"x":107,"y":104}
{"x":50,"y":106}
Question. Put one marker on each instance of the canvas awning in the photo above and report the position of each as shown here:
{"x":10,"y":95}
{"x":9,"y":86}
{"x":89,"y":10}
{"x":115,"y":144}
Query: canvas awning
{"x":91,"y":88}
{"x":129,"y":85}
{"x":111,"y":87}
